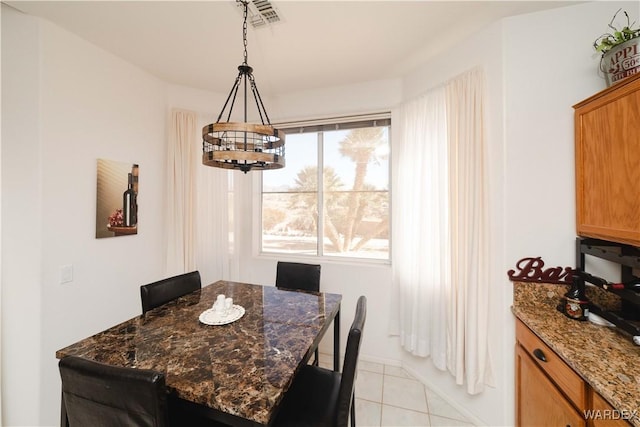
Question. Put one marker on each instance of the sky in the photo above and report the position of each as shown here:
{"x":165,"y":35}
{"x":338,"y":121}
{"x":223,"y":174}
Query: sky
{"x":301,"y":151}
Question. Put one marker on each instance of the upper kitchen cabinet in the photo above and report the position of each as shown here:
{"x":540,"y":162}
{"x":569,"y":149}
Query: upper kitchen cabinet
{"x":607,"y":127}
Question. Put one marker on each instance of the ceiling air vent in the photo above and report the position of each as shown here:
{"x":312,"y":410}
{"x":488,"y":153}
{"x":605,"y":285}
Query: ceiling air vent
{"x":261,"y":13}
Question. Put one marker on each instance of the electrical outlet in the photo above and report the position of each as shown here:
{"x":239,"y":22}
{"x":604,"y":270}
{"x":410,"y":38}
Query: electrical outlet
{"x":66,"y":273}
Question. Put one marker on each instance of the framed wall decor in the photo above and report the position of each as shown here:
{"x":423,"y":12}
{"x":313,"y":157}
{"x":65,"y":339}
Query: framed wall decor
{"x":116,"y":199}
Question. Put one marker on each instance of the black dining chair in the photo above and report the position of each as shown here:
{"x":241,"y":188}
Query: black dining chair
{"x":99,"y":395}
{"x":157,"y":293}
{"x":299,"y":276}
{"x":323,"y":398}
{"x":296,"y":275}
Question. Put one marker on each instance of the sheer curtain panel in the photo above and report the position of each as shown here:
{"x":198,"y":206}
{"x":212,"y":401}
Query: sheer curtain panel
{"x":420,"y":226}
{"x":215,"y":248}
{"x":182,"y":159}
{"x":469,"y":302}
{"x":440,"y":273}
{"x":198,"y":210}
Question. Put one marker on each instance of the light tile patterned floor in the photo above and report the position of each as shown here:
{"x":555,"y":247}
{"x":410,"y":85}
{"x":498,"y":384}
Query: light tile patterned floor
{"x":387,"y":396}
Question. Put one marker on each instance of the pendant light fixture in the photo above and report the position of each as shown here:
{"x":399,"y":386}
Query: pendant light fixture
{"x":244,"y":146}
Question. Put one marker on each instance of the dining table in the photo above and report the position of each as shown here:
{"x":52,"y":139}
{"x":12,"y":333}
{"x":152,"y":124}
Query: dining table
{"x":235,"y":372}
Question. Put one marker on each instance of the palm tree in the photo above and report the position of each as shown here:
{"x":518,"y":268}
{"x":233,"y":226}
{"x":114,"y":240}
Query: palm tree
{"x":305,"y":203}
{"x":344,"y":209}
{"x":360,"y":145}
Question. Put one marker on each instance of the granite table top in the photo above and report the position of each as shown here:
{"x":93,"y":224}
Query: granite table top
{"x":241,"y":368}
{"x":604,"y":357}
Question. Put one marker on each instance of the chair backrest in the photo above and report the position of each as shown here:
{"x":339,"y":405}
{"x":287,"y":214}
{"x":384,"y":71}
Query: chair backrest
{"x":99,"y":395}
{"x":350,"y":365}
{"x":295,"y":275}
{"x":157,"y":293}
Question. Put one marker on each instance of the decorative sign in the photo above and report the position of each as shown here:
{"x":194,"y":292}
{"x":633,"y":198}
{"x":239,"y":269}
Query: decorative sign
{"x":532,"y":270}
{"x":622,"y":61}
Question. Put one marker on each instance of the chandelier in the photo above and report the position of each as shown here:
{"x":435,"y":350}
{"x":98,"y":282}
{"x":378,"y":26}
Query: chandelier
{"x":244,"y":146}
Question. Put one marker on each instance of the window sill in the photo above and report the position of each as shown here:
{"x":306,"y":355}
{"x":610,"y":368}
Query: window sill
{"x":323,"y":259}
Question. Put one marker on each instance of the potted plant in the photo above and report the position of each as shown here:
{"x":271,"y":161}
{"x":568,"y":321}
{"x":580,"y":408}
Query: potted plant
{"x":620,"y":50}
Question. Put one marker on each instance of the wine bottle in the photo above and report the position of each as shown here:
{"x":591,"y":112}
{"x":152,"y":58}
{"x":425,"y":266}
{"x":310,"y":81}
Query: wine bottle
{"x":632,"y":285}
{"x":129,"y":205}
{"x":575,"y":304}
{"x":135,"y":170}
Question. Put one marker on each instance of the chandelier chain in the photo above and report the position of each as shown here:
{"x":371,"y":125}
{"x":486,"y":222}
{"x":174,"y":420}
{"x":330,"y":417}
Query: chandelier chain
{"x":244,"y":29}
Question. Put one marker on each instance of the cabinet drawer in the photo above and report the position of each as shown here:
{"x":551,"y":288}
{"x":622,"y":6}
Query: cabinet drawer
{"x":538,"y":400}
{"x":558,"y":371}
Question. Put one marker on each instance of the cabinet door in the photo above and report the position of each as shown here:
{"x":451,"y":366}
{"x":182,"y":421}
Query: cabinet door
{"x":603,"y":414}
{"x":538,"y":401}
{"x":608,"y":164}
{"x":565,"y":378}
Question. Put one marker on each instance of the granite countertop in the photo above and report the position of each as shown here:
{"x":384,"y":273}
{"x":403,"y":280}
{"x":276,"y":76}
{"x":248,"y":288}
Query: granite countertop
{"x":604,"y":357}
{"x":242,"y":368}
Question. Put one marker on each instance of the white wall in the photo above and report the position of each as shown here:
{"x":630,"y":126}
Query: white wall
{"x":67,"y":103}
{"x":21,"y":219}
{"x":364,"y":97}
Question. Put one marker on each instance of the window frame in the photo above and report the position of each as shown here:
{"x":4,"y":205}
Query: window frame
{"x":309,"y":126}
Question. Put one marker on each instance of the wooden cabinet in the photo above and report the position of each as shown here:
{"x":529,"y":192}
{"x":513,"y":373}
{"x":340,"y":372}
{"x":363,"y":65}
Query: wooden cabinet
{"x":607,"y":150}
{"x":604,"y":415}
{"x":550,"y":393}
{"x":540,"y":402}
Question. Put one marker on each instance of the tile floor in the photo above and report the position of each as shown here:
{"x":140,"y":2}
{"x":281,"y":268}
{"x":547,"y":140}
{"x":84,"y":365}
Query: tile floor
{"x":389,"y":396}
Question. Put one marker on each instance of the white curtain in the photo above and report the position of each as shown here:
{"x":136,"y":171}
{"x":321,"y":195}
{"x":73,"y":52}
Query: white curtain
{"x":215,"y":247}
{"x":181,"y":192}
{"x":440,"y":276}
{"x":199,"y":198}
{"x":420,"y":225}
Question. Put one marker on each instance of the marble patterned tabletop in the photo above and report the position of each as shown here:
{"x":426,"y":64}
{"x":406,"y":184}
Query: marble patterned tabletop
{"x":241,"y":368}
{"x":604,"y":357}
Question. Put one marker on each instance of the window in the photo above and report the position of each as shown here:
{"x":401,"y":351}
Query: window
{"x":332,"y":197}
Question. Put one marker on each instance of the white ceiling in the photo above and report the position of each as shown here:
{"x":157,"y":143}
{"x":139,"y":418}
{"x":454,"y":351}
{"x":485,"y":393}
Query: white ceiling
{"x":317,"y":43}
